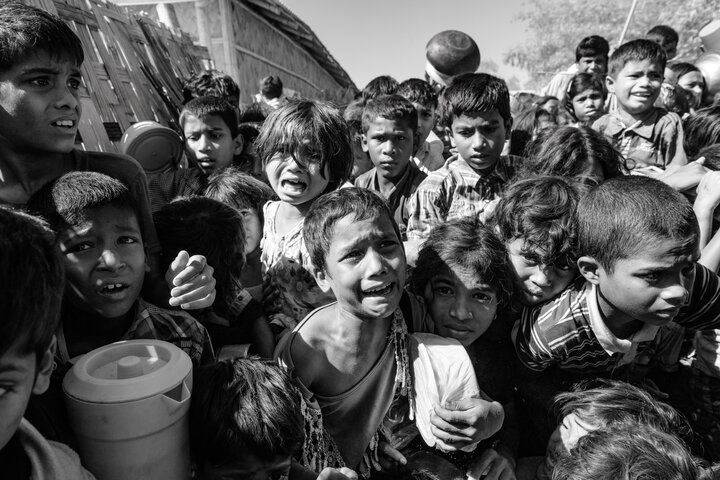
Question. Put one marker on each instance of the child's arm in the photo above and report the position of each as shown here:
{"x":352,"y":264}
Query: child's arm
{"x":710,"y":256}
{"x":466,"y":422}
{"x":708,"y":198}
{"x":673,"y":136}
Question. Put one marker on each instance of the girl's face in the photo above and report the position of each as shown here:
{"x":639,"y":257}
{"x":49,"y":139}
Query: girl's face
{"x":461,"y":306}
{"x":692,"y":83}
{"x":294,"y":183}
{"x":587,"y":105}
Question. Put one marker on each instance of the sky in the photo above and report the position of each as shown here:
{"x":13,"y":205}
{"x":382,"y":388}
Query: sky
{"x":388,"y":37}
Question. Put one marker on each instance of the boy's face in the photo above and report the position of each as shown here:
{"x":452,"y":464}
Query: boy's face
{"x":461,"y":306}
{"x":253,"y":229}
{"x":480,"y":138}
{"x":21,"y":375}
{"x":426,"y":121}
{"x":390,"y":146}
{"x":365,"y":267}
{"x":535,"y":282}
{"x":294,"y":183}
{"x":670,"y":48}
{"x":594,"y":64}
{"x":249,"y":467}
{"x":636,"y":86}
{"x":650,"y":287}
{"x":209,"y":143}
{"x":104,"y":261}
{"x":39,"y":105}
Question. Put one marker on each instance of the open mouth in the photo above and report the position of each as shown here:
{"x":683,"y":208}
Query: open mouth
{"x":113,"y":289}
{"x":379,"y":291}
{"x":294,"y":184}
{"x":64,"y":123}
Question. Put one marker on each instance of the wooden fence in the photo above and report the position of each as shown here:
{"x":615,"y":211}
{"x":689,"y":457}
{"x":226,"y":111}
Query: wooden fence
{"x":133,"y":69}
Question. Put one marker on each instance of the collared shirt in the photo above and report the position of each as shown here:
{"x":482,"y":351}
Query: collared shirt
{"x":560,"y":332}
{"x":173,"y":326}
{"x":653,"y":141}
{"x":456,"y":191}
{"x":399,"y":195}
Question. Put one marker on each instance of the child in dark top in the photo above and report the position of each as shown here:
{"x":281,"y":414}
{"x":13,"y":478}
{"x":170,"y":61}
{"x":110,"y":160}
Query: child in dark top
{"x":464,"y":275}
{"x":247,"y":195}
{"x":216,"y":230}
{"x":645,"y":135}
{"x":40,"y":86}
{"x":428,"y":155}
{"x":389,"y":125}
{"x":100,"y":241}
{"x":31,"y":286}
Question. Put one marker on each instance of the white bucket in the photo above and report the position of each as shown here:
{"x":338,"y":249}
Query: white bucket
{"x":128,"y":404}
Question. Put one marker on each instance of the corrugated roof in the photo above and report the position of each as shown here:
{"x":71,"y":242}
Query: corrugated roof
{"x":286,"y":21}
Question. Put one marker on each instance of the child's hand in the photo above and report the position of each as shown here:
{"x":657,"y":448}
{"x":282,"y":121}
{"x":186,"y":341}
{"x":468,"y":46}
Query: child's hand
{"x":708,"y":191}
{"x":684,"y":177}
{"x":191,"y":282}
{"x":343,"y":473}
{"x":492,"y":465}
{"x":465,"y":422}
{"x":389,"y":457}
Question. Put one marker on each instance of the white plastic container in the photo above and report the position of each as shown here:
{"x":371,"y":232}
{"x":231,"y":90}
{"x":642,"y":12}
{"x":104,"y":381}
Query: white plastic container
{"x":128,"y":405}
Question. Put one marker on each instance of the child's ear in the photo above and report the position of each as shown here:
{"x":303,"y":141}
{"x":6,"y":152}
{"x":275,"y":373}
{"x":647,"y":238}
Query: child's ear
{"x":508,"y":128}
{"x":321,"y":278}
{"x":448,"y":132}
{"x":610,"y":84}
{"x":590,"y":269}
{"x":363,"y":143}
{"x":44,"y":368}
{"x":239,"y":144}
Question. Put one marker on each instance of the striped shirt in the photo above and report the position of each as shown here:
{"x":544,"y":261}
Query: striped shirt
{"x":560,"y":332}
{"x":455,"y":191}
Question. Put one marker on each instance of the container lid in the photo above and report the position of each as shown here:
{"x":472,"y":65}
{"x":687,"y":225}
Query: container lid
{"x":452,"y":52}
{"x":127,"y":371}
{"x":154,"y":146}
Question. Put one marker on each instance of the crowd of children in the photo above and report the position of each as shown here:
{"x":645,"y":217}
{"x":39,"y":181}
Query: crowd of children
{"x":442,"y":281}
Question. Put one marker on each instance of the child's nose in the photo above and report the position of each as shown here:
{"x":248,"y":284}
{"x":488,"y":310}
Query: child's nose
{"x":375,"y":263}
{"x":66,"y":97}
{"x":110,"y":260}
{"x":460,"y":310}
{"x":205,"y":143}
{"x":542,"y":277}
{"x":479,"y":141}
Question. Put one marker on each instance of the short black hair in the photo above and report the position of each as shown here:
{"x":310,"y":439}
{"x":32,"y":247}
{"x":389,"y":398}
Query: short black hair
{"x":541,"y":211}
{"x":244,"y":406}
{"x":592,"y":46}
{"x":701,"y":129}
{"x":419,"y":91}
{"x":211,"y":83}
{"x":636,"y":51}
{"x":332,"y":207}
{"x":207,"y":227}
{"x":390,"y":107}
{"x":32,"y":280}
{"x":27,"y":30}
{"x":625,"y":215}
{"x":473,"y":93}
{"x":664,"y":32}
{"x":239,"y":190}
{"x":64,"y":201}
{"x":271,"y":87}
{"x":468,"y":245}
{"x":204,"y":107}
{"x":306,"y":130}
{"x":382,"y":85}
{"x":569,"y":151}
{"x":683,"y":68}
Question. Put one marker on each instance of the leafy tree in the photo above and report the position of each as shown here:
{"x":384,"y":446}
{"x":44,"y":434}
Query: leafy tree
{"x":555,"y":27}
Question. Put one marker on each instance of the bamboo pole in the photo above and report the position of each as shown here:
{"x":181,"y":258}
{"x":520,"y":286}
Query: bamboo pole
{"x":627,"y":22}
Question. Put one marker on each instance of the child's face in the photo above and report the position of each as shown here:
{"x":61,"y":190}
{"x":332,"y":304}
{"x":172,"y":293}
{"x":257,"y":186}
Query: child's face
{"x":461,"y":306}
{"x":249,"y":467}
{"x":365,"y":267}
{"x":651,"y":286}
{"x":588,"y":105}
{"x":39,"y":105}
{"x":426,"y":120}
{"x":21,"y":375}
{"x":390,"y":146}
{"x":104,"y":261}
{"x":565,"y":437}
{"x":692,"y":83}
{"x":253,"y":229}
{"x":535,"y":282}
{"x":636,"y":86}
{"x":209,"y":143}
{"x":595,"y":64}
{"x":480,"y":138}
{"x":294,"y":183}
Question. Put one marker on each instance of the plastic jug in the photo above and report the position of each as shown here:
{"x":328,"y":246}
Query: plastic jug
{"x":709,"y":62}
{"x":128,"y":404}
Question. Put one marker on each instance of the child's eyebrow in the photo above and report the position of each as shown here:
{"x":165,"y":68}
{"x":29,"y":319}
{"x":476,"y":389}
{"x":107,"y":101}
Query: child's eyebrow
{"x":45,"y":70}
